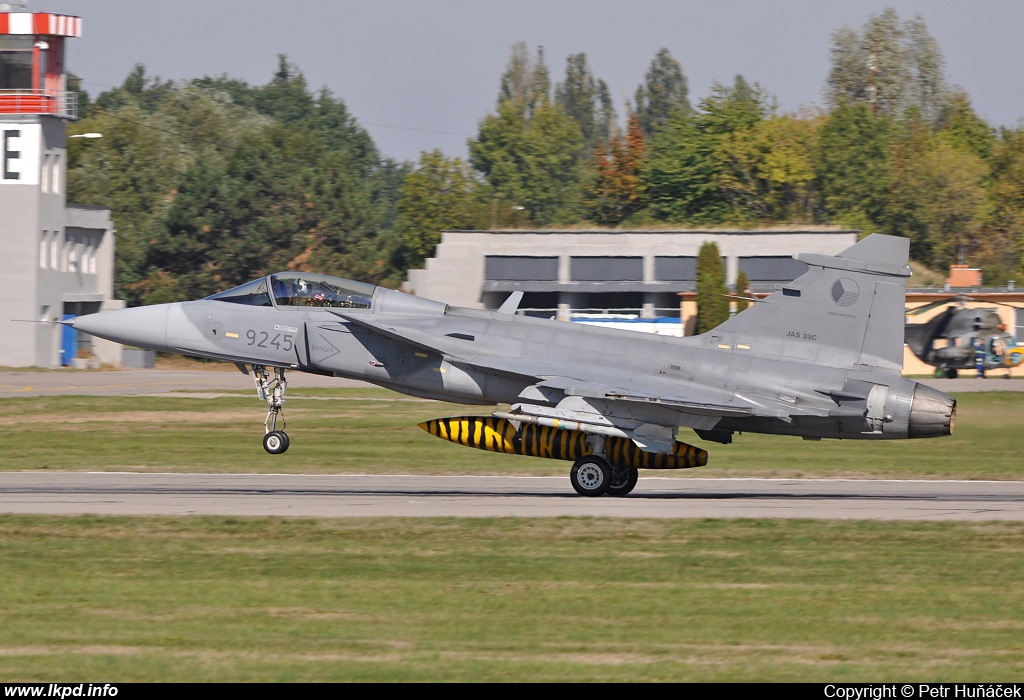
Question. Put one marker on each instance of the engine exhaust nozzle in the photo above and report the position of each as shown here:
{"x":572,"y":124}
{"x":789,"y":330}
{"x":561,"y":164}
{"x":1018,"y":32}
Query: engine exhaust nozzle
{"x":932,"y":413}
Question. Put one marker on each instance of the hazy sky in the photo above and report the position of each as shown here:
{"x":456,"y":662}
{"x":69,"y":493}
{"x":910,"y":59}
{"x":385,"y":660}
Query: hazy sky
{"x":434,"y":65}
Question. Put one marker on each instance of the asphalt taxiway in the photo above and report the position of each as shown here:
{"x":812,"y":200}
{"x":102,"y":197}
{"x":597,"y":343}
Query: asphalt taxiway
{"x":495,"y":496}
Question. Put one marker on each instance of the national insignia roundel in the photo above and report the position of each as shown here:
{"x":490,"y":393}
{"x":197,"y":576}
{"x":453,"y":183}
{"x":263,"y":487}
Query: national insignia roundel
{"x":845,"y":292}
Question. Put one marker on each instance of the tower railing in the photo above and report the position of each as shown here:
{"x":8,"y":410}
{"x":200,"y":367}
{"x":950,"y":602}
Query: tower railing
{"x":59,"y":103}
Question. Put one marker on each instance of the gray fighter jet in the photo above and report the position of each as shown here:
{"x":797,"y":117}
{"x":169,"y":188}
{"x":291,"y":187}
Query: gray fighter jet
{"x":819,"y":358}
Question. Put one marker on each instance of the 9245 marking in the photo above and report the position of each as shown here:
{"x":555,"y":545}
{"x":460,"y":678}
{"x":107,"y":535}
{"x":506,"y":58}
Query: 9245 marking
{"x":262,"y":339}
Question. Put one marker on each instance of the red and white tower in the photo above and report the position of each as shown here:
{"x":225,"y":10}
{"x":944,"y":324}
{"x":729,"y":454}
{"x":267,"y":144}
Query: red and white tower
{"x":32,"y":77}
{"x":57,"y":258}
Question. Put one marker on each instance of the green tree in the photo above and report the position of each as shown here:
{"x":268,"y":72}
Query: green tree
{"x":526,"y":83}
{"x":440,"y":195}
{"x":700,"y":163}
{"x":909,"y":142}
{"x":1000,"y":248}
{"x":665,"y":90}
{"x":679,"y":174}
{"x":962,"y":128}
{"x":852,"y":166}
{"x":888,"y":65}
{"x":139,"y":90}
{"x":587,"y":100}
{"x":286,"y":96}
{"x":947,"y":184}
{"x":532,"y":163}
{"x":730,"y":120}
{"x":132,"y":170}
{"x":712,"y":304}
{"x":213,"y":182}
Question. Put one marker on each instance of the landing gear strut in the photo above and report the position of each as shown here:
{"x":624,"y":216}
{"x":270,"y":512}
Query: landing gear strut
{"x":271,"y":390}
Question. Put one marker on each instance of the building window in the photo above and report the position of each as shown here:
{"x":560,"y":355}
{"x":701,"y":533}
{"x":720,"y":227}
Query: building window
{"x":91,"y":250}
{"x":518,"y":268}
{"x":53,"y":251}
{"x":675,"y":268}
{"x":42,"y":251}
{"x":55,"y":177}
{"x":772,"y":268}
{"x":16,"y":62}
{"x":610,"y":268}
{"x":45,"y":174}
{"x":44,"y":313}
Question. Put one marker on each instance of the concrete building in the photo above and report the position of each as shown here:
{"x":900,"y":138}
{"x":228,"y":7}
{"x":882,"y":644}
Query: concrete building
{"x":575,"y":273}
{"x":56,"y":259}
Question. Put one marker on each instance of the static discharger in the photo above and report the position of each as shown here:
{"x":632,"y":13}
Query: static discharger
{"x":500,"y":435}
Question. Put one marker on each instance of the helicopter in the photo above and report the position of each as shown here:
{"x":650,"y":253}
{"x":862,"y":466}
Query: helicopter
{"x":964,"y":331}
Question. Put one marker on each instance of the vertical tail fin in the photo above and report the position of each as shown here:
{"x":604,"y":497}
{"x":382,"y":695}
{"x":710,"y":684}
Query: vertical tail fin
{"x":845,"y":310}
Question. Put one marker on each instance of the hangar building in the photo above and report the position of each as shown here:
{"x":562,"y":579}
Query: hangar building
{"x":568,"y":273}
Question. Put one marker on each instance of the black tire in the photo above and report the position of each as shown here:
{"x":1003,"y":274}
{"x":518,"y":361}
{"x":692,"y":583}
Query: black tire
{"x":287,"y":441}
{"x":951,"y":374}
{"x":590,"y":476}
{"x":623,"y":481}
{"x":275,"y":442}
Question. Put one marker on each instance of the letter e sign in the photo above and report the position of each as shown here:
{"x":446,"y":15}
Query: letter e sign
{"x":19,"y":154}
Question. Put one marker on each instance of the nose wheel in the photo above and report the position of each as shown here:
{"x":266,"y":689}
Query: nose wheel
{"x":276,"y":441}
{"x":271,"y":388}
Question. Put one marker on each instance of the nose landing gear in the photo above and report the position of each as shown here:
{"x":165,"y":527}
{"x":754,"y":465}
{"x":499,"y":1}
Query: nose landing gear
{"x":271,"y":389}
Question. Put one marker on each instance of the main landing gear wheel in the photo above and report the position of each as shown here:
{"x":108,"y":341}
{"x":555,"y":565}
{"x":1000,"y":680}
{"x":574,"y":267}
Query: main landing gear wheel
{"x":590,"y":476}
{"x":623,"y":480}
{"x":275,"y":442}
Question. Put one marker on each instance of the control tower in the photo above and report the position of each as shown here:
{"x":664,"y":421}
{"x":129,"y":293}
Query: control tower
{"x":56,"y":259}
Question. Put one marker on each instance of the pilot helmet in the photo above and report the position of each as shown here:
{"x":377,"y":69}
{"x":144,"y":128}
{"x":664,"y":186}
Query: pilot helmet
{"x":301,"y":287}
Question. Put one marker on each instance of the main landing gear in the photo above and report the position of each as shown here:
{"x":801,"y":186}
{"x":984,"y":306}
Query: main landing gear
{"x":271,"y":389}
{"x":594,"y":476}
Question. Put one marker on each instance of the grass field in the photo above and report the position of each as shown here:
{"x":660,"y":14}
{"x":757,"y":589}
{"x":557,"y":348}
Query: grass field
{"x":374,"y":431}
{"x":187,"y":599}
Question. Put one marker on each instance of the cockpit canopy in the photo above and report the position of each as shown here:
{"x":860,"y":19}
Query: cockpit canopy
{"x":301,"y":289}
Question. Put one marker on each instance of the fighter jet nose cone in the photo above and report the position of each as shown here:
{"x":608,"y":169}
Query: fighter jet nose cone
{"x":143,"y":326}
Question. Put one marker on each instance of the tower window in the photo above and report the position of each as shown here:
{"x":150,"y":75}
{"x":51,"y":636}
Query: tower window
{"x":16,"y":62}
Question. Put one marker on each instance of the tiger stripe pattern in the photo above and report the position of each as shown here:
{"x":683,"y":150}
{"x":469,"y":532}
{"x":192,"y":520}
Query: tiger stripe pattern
{"x":500,"y":435}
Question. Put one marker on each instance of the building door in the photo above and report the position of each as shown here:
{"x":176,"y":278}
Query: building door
{"x":68,"y":342}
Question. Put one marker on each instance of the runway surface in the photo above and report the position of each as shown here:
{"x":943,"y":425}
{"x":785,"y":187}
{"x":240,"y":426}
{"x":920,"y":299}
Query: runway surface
{"x":140,"y":382}
{"x":134,"y":382}
{"x":490,"y":496}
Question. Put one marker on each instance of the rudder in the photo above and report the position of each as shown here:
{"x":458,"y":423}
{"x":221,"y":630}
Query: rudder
{"x":845,"y":310}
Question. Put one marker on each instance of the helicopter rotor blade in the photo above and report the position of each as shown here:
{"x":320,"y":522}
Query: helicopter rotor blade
{"x":1001,"y":303}
{"x":932,"y":305}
